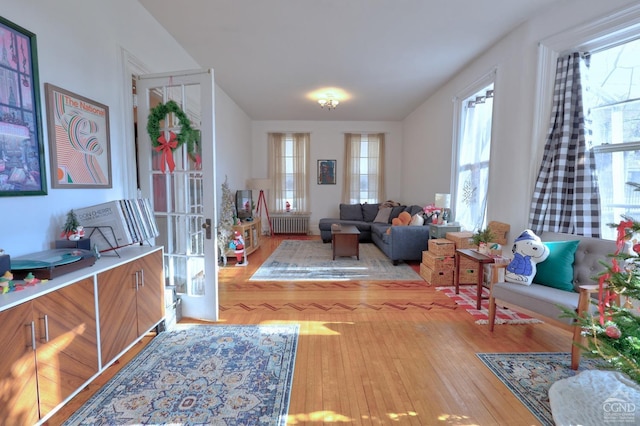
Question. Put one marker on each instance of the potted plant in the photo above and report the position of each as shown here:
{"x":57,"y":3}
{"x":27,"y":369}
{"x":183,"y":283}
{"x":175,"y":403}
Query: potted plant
{"x":481,"y":238}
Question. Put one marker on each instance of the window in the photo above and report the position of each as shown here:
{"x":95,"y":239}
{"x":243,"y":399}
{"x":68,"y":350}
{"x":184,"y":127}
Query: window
{"x":288,"y":166}
{"x":612,"y":109}
{"x":472,"y":159}
{"x":364,"y":168}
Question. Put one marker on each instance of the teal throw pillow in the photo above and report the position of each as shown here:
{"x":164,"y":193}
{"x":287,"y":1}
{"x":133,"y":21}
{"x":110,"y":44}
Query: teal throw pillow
{"x":557,"y":270}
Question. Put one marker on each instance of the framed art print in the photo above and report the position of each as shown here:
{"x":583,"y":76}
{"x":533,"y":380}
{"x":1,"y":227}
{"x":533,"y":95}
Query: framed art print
{"x":326,"y":172}
{"x":78,"y":140}
{"x":22,"y":169}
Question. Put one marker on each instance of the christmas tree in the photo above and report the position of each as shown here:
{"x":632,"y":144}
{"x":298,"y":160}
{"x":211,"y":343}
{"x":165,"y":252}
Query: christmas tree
{"x":613,"y":333}
{"x":227,"y":217}
{"x":70,"y":225}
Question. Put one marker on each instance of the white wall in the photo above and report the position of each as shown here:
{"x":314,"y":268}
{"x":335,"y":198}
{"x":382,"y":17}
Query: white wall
{"x":428,"y":131}
{"x":80,"y":49}
{"x":327,"y":143}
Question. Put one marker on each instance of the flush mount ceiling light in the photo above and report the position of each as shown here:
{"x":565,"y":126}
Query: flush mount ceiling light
{"x":329,"y":102}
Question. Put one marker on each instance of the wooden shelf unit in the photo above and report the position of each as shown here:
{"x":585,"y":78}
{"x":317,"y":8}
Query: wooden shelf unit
{"x":250,"y":231}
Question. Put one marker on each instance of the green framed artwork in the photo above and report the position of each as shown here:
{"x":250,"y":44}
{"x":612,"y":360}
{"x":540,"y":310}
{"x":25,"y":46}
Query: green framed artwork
{"x":22,"y":169}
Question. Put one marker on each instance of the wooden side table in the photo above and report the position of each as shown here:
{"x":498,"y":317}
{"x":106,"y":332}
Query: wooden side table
{"x":480,"y":260}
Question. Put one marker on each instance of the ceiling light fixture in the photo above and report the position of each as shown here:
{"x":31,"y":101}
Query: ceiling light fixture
{"x":328,"y":102}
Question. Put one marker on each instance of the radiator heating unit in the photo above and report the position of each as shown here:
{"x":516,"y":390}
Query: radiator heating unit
{"x":290,"y":223}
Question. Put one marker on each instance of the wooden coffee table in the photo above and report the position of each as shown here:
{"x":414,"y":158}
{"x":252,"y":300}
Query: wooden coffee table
{"x":345,"y":241}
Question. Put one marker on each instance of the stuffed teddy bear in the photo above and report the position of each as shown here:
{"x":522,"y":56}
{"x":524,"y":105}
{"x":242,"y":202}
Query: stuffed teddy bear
{"x":528,"y":250}
{"x":403,"y":219}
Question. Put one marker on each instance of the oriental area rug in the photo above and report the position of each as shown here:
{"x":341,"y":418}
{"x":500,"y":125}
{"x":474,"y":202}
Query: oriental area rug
{"x":530,"y":375}
{"x":201,"y":374}
{"x":467,"y":299}
{"x":312,"y":260}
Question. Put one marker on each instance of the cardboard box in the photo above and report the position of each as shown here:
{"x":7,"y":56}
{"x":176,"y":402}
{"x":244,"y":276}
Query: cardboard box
{"x":442,"y":247}
{"x":436,"y":277}
{"x":438,"y":263}
{"x":462,"y":240}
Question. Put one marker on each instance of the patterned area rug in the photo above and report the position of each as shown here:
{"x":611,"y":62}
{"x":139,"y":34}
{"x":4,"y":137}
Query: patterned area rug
{"x":201,"y":374}
{"x":296,"y":260}
{"x":467,"y":300}
{"x":530,"y":375}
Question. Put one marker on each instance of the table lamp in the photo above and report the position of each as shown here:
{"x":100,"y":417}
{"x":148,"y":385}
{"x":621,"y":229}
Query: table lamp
{"x":443,"y":203}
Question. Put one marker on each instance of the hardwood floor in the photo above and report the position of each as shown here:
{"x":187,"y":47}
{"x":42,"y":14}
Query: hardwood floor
{"x":376,"y":353}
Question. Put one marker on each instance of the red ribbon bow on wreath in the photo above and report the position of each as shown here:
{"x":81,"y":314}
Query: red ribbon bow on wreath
{"x":167,"y":147}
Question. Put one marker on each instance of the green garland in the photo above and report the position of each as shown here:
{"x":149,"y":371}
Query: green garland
{"x":185,"y":135}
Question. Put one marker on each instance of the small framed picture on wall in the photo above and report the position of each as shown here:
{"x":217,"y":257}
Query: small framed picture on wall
{"x":326,"y":172}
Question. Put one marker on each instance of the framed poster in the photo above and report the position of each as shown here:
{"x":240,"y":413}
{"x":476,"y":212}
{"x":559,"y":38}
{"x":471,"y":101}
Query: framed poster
{"x":326,"y":172}
{"x":78,"y":140}
{"x":22,"y":169}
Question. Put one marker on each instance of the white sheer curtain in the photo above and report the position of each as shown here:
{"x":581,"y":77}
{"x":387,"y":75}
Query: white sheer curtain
{"x":288,"y":169}
{"x":474,"y":147}
{"x":363,"y":168}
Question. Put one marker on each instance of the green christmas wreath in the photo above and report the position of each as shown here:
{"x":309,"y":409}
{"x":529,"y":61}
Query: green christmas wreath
{"x":185,"y":135}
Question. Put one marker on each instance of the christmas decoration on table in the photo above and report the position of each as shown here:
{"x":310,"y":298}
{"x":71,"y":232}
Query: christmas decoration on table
{"x":613,"y":333}
{"x":72,"y":229}
{"x":431,"y":212}
{"x":165,"y":142}
{"x":237,"y":245}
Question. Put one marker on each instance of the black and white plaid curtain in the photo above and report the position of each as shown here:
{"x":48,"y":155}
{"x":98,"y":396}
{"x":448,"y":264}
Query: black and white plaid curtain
{"x":566,"y":197}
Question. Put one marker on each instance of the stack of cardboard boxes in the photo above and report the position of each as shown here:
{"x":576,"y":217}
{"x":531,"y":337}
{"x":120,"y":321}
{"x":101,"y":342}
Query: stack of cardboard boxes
{"x":438,"y":263}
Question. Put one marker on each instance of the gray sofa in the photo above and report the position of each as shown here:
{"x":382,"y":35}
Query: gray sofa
{"x":543,"y":301}
{"x":401,"y":243}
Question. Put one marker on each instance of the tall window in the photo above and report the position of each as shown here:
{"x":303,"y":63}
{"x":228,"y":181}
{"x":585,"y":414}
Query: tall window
{"x":288,"y":166}
{"x":612,"y":108}
{"x":364,"y":168}
{"x":473,"y":152}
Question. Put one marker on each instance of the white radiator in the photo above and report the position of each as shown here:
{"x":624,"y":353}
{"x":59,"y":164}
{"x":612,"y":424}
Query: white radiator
{"x":290,"y":223}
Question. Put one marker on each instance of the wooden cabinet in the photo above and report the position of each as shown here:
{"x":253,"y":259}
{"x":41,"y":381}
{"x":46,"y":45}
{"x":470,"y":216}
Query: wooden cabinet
{"x":49,"y":350}
{"x":250,"y":232}
{"x":131,"y":302}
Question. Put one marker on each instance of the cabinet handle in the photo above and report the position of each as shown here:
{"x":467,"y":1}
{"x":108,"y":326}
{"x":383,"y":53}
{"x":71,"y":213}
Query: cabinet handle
{"x":33,"y":335}
{"x":46,"y":327}
{"x":141,"y":277}
{"x":137,"y":280}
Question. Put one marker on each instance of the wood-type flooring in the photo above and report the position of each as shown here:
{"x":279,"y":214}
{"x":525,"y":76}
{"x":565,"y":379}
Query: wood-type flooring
{"x":375,"y":353}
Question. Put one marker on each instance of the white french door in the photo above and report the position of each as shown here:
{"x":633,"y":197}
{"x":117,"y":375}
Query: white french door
{"x":183,"y":198}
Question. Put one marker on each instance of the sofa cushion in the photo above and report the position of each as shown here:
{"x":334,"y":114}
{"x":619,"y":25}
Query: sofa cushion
{"x":351,"y":212}
{"x":412,"y":210}
{"x":417,"y":220}
{"x":557,"y":270}
{"x":395,"y":212}
{"x":369,"y":211}
{"x":383,"y":215}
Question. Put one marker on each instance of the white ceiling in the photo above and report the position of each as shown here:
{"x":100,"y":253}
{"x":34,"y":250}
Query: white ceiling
{"x":387,"y":56}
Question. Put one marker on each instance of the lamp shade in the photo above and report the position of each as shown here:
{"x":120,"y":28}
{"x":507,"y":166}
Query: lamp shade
{"x":443,"y":201}
{"x":259,"y":184}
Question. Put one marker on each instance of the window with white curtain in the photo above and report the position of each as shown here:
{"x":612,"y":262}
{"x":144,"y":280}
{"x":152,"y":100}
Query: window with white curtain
{"x":475,"y":116}
{"x":288,"y":169}
{"x":364,"y":168}
{"x":612,"y":109}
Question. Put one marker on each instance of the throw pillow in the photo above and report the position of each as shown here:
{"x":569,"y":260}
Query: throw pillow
{"x":395,"y":212}
{"x":383,"y":215}
{"x":351,"y":212}
{"x":417,"y":220}
{"x":557,"y":270}
{"x":528,"y":250}
{"x":370,"y":211}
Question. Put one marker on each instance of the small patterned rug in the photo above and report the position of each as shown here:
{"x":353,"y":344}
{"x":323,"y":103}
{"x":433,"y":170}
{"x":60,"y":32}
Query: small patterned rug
{"x":467,"y":299}
{"x":201,"y":374}
{"x":299,"y":260}
{"x":530,"y":375}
